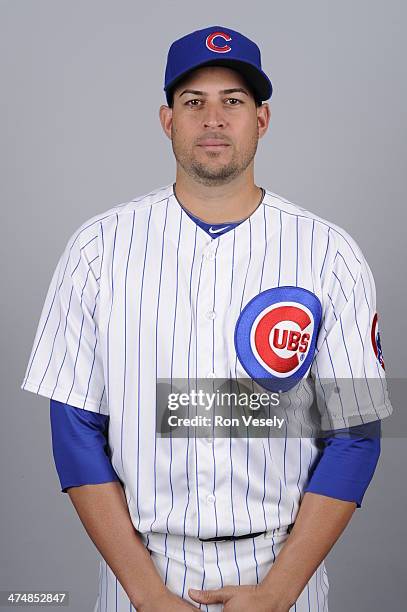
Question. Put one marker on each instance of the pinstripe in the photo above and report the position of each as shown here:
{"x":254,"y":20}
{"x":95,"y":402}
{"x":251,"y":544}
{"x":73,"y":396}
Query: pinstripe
{"x":279,"y":502}
{"x":203,"y":573}
{"x":312,"y":253}
{"x":255,"y":560}
{"x":344,"y":261}
{"x":247,"y":439}
{"x":264,"y":488}
{"x":245,"y":278}
{"x":79,"y":341}
{"x":125,"y":342}
{"x":350,"y":365}
{"x":340,"y":285}
{"x":325,"y":590}
{"x":285,"y":455}
{"x":236,"y":563}
{"x":52,"y":350}
{"x":248,"y":483}
{"x":300,"y":467}
{"x":63,"y":360}
{"x":332,"y":306}
{"x":172,"y":361}
{"x":187,"y":454}
{"x":138,"y":372}
{"x":217,"y":563}
{"x":326,"y":252}
{"x":196,"y":376}
{"x":214,"y":370}
{"x":322,"y":588}
{"x":110,"y":313}
{"x":315,"y":577}
{"x":296,"y":251}
{"x":101,"y":398}
{"x":168,"y":561}
{"x":80,"y":252}
{"x":56,"y":333}
{"x":185,"y":564}
{"x":265,"y":247}
{"x":231,"y":469}
{"x":106,"y":586}
{"x":156,"y":351}
{"x":279,"y":254}
{"x":94,"y":350}
{"x":233,"y":260}
{"x":272,"y":547}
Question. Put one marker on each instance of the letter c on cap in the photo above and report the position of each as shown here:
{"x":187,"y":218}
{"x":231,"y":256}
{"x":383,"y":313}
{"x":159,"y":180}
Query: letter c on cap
{"x":211,"y":45}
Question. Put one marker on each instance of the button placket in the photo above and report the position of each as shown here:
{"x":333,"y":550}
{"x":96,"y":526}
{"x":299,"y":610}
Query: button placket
{"x":206,"y":316}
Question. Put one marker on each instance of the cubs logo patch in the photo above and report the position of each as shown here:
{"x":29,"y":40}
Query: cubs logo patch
{"x":275,"y":336}
{"x":215,"y":47}
{"x":375,"y":336}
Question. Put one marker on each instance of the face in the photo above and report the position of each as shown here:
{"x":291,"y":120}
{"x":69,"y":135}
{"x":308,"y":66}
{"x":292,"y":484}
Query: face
{"x":214,"y":124}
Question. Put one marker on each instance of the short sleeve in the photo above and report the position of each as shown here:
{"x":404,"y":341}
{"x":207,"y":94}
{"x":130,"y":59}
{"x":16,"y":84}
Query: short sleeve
{"x":66,"y":358}
{"x":348,"y":367}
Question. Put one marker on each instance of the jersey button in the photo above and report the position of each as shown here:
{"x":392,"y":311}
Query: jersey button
{"x":210,"y":499}
{"x":211,"y":375}
{"x":211,"y":314}
{"x":209,"y":440}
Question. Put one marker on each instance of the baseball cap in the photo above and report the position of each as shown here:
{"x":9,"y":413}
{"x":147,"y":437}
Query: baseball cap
{"x":218,"y":46}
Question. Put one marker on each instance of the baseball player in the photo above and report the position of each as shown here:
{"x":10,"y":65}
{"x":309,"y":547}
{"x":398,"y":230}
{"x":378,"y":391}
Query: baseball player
{"x":212,"y":278}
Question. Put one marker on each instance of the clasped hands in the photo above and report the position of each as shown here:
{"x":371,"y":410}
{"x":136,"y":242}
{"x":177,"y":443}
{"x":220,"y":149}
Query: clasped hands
{"x":246,"y":598}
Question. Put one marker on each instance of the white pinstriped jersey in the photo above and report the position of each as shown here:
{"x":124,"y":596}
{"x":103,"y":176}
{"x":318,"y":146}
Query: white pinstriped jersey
{"x":141,"y":292}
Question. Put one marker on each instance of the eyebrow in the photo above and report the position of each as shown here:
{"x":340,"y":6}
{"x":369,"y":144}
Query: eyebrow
{"x":196,"y":92}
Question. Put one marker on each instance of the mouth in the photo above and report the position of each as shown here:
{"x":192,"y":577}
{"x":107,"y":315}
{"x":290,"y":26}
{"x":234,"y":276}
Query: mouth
{"x":209,"y":141}
{"x":213,"y":145}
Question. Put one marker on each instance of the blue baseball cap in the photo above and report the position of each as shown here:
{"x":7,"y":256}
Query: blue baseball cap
{"x":216,"y":46}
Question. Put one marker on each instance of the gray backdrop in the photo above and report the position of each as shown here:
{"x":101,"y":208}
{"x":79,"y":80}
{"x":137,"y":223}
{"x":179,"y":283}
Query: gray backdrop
{"x":81,"y":84}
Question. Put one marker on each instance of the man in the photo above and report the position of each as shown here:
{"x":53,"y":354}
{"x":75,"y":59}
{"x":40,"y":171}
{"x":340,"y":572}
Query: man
{"x":210,"y":278}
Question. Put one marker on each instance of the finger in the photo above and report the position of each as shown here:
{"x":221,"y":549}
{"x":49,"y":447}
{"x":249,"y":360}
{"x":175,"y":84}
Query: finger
{"x":209,"y":596}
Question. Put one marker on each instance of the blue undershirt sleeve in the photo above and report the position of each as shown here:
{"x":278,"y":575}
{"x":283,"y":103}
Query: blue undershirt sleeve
{"x":347,"y":463}
{"x":80,"y":446}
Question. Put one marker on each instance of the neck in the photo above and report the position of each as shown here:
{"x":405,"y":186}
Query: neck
{"x":231,"y":201}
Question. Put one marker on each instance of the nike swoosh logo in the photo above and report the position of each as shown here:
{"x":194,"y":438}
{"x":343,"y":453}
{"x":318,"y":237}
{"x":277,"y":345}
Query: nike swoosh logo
{"x":216,"y":231}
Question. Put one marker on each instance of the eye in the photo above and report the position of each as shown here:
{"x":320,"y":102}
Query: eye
{"x":189,"y":102}
{"x":234,"y":100}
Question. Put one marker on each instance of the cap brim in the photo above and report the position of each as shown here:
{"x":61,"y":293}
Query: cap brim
{"x":256,"y":78}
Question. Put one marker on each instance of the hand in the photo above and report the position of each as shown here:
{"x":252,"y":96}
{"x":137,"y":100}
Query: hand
{"x":166,"y":601}
{"x":240,"y":599}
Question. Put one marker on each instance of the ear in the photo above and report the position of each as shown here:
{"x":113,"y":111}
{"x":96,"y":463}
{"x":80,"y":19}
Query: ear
{"x":263,"y":118}
{"x":166,"y":119}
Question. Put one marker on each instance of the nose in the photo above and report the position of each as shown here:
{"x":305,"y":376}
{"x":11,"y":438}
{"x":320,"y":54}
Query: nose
{"x":213,"y":116}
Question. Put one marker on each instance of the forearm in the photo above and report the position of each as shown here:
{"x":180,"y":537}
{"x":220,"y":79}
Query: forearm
{"x":103,"y":511}
{"x":319,"y":523}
